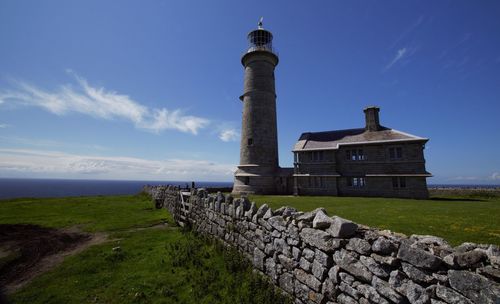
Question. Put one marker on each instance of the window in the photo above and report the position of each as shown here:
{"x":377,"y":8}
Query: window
{"x":317,"y":156}
{"x":250,"y":141}
{"x":399,"y":182}
{"x":356,"y":182}
{"x":396,"y":153}
{"x":316,"y":182}
{"x":246,"y":180}
{"x":355,"y":154}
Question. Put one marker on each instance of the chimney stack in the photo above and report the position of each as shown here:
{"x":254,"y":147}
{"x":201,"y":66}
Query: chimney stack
{"x":371,"y":118}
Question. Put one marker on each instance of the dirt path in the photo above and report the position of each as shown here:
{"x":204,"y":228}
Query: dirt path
{"x":29,"y":250}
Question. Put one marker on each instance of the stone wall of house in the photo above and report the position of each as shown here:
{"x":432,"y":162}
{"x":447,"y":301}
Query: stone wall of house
{"x":320,"y":259}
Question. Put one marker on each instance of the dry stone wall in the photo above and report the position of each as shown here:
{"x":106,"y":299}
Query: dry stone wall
{"x":320,"y":259}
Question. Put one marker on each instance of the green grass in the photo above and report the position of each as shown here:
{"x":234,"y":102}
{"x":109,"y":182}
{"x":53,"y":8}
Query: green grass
{"x":152,"y":266}
{"x":98,"y":213}
{"x":458,"y":219}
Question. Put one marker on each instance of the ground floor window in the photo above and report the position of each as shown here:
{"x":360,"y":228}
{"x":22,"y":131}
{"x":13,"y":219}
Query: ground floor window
{"x":399,"y":182}
{"x":316,"y":182}
{"x":356,"y":182}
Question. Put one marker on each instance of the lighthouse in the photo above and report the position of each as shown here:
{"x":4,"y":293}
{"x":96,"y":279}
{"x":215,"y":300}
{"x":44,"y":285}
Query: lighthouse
{"x":258,"y":171}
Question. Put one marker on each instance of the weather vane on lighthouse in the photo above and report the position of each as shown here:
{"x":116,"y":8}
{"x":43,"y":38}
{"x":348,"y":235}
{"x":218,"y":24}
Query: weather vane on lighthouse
{"x":260,"y":23}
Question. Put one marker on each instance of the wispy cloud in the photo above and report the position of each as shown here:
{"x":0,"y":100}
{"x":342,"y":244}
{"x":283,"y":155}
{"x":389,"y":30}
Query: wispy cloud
{"x":483,"y":179}
{"x":26,"y":162}
{"x":408,"y":31}
{"x":3,"y":126}
{"x":400,"y":54}
{"x":229,"y":135}
{"x":47,"y":143}
{"x":101,"y":103}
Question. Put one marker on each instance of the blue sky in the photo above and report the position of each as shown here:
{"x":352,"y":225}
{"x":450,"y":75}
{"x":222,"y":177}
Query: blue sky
{"x":149,"y":89}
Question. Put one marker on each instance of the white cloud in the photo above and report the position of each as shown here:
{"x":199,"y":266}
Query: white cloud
{"x":103,"y":104}
{"x":495,"y":176}
{"x":229,"y":135}
{"x":399,"y":55}
{"x":32,"y":163}
{"x":3,"y":126}
{"x":465,"y":178}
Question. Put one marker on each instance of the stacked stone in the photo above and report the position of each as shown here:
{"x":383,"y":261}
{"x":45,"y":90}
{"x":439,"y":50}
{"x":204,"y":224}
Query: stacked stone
{"x":320,"y":259}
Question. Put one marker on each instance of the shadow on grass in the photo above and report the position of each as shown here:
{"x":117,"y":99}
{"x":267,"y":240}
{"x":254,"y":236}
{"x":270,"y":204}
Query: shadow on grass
{"x":449,"y":199}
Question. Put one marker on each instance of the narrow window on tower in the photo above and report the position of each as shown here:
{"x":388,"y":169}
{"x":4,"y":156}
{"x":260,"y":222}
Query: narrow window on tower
{"x":250,"y":141}
{"x":246,"y":180}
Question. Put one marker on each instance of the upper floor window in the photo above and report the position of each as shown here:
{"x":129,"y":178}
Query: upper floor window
{"x":396,"y":153}
{"x":250,"y":141}
{"x":399,"y":182}
{"x":357,"y":182}
{"x":355,"y":154}
{"x":317,"y":156}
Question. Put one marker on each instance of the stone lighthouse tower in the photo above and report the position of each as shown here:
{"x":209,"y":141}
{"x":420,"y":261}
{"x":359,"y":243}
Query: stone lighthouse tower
{"x":259,"y":167}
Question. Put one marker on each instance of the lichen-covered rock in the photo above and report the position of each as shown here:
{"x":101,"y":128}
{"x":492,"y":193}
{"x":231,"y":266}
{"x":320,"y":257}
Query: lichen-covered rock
{"x":287,"y":262}
{"x":305,"y":264}
{"x":324,"y":259}
{"x":418,"y":257}
{"x":296,"y":254}
{"x":309,"y":216}
{"x":346,"y":288}
{"x":345,"y":299}
{"x":470,"y":258}
{"x":416,"y":294}
{"x":416,"y":274}
{"x":308,"y":279}
{"x":474,"y":286}
{"x":262,"y":210}
{"x":269,"y":213}
{"x":374,"y":267}
{"x":450,"y":296}
{"x":384,"y":246}
{"x":301,"y":291}
{"x":320,"y":239}
{"x":308,"y":254}
{"x":333,"y":274}
{"x":286,"y":282}
{"x":318,"y":270}
{"x":258,"y":259}
{"x":271,"y":269}
{"x":251,"y":210}
{"x":385,"y":260}
{"x":281,"y":246}
{"x":321,"y":220}
{"x":490,"y":272}
{"x":342,"y":228}
{"x":371,"y":294}
{"x":387,"y":291}
{"x":349,"y":263}
{"x":329,"y":289}
{"x":277,"y":222}
{"x":359,"y":245}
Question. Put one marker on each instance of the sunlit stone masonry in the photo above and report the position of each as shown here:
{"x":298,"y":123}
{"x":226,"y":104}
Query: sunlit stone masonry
{"x":316,"y":258}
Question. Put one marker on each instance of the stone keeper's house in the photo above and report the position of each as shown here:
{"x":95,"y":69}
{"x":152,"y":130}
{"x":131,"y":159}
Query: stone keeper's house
{"x":369,"y":161}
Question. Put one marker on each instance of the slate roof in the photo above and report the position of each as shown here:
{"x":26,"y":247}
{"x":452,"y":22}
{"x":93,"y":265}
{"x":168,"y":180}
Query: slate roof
{"x":332,"y":139}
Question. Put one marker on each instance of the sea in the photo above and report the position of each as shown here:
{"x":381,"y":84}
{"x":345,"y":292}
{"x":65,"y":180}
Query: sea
{"x":27,"y":187}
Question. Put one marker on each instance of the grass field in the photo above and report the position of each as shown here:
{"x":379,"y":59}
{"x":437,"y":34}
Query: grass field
{"x":153,"y":265}
{"x":464,"y":218}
